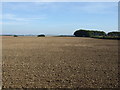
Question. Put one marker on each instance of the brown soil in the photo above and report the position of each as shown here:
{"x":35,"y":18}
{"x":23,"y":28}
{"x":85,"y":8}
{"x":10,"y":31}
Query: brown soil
{"x":59,"y":62}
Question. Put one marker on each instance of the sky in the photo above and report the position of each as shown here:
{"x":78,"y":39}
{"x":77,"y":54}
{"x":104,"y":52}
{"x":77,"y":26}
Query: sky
{"x":58,"y":18}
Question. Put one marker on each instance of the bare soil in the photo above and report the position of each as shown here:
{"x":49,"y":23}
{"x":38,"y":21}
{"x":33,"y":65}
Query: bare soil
{"x":59,"y":62}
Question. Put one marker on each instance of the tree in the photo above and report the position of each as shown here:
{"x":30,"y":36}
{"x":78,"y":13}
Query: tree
{"x":88,"y":33}
{"x":81,"y":33}
{"x":15,"y":36}
{"x":42,"y":35}
{"x":114,"y":34}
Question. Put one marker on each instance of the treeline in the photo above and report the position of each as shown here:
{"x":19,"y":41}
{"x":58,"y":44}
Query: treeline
{"x":114,"y":34}
{"x":41,"y":35}
{"x":97,"y":34}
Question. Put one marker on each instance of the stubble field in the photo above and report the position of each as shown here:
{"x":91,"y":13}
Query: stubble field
{"x":59,"y":62}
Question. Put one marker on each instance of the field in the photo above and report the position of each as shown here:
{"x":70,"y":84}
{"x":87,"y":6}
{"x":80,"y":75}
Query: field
{"x":59,"y":62}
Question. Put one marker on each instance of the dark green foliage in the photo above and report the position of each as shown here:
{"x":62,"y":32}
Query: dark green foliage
{"x":65,"y":36}
{"x":6,"y":35}
{"x":88,"y":33}
{"x":114,"y":34}
{"x":42,"y":35}
{"x":97,"y":34}
{"x":106,"y":37}
{"x":15,"y":36}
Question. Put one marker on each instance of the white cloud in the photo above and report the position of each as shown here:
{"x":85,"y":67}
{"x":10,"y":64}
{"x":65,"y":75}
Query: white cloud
{"x":13,"y":17}
{"x":38,"y":6}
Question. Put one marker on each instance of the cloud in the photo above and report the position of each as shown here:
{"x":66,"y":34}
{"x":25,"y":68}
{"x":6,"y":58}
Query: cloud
{"x":12,"y":19}
{"x":32,"y":11}
{"x":15,"y":18}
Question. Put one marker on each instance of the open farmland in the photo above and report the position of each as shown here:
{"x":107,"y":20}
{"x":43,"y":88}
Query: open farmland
{"x":54,"y":62}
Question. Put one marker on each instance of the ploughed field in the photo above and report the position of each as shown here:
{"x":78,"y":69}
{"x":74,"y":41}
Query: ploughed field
{"x":59,"y":62}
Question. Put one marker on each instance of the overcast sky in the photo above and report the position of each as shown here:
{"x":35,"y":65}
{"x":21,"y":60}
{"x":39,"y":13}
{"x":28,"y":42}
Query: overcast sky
{"x":58,"y":17}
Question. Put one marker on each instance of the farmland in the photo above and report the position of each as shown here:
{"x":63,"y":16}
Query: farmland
{"x":59,"y":62}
